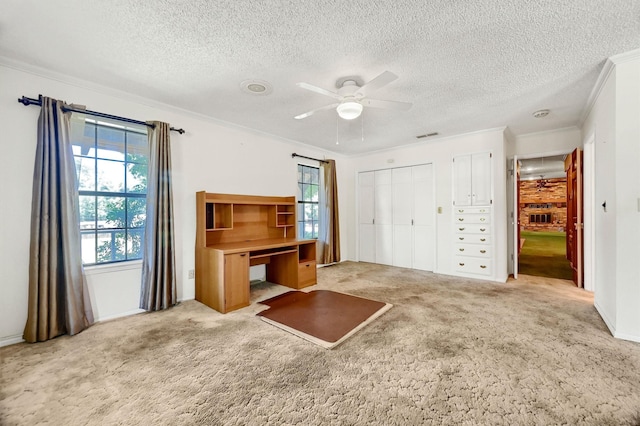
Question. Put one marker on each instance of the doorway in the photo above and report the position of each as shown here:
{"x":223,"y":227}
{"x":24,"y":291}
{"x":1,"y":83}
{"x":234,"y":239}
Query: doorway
{"x":542,"y":214}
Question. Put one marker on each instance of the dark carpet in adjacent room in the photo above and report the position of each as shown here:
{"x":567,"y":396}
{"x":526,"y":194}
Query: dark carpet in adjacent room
{"x":543,"y":254}
{"x":323,"y":317}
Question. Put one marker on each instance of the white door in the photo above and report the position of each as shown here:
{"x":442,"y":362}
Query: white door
{"x":424,"y":219}
{"x":402,"y":217}
{"x":366,"y":227}
{"x":481,"y":179}
{"x":383,"y":200}
{"x":462,"y":180}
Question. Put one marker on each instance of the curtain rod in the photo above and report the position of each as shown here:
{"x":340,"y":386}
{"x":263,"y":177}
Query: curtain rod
{"x":30,"y":101}
{"x":308,"y":158}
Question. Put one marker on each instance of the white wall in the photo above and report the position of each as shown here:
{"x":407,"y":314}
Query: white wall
{"x":211,"y":156}
{"x":545,"y":143}
{"x":614,"y":120}
{"x":440,"y":152}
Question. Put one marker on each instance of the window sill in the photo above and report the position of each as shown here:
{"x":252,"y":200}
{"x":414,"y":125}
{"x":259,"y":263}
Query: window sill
{"x":117,"y":267}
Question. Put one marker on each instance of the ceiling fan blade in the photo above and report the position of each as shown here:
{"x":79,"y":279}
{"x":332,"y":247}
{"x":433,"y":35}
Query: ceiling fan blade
{"x":395,"y":105}
{"x":319,"y":90}
{"x":313,"y":111}
{"x":378,"y":82}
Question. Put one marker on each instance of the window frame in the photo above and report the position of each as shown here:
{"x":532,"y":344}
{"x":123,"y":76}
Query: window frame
{"x":128,"y":232}
{"x":302,"y":203}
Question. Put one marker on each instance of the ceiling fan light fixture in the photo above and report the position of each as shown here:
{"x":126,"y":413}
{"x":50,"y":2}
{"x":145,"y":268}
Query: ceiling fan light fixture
{"x":349,"y":110}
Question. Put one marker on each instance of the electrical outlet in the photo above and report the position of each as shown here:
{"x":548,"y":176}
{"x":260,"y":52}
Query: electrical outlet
{"x":192,"y":274}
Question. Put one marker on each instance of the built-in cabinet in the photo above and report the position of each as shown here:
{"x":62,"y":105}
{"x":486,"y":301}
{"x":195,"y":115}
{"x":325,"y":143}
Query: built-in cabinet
{"x":472,"y":179}
{"x":474,"y":249}
{"x":396,"y":217}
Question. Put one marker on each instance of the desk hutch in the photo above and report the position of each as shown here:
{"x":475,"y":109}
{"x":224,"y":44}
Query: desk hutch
{"x":235,"y":232}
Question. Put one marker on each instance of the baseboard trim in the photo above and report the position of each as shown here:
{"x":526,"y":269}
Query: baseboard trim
{"x":607,"y":321}
{"x":120,"y":315}
{"x":11,"y":340}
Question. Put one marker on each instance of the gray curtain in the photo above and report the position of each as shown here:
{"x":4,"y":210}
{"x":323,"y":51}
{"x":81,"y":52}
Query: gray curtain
{"x":58,"y":298}
{"x":329,"y":240}
{"x":158,"y":289}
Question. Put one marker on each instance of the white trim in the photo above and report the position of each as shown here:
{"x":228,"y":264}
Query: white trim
{"x":610,"y":324}
{"x":627,"y":337}
{"x":120,"y":315}
{"x":84,"y":84}
{"x":543,"y":132}
{"x":11,"y":340}
{"x":429,"y":141}
{"x":608,"y":67}
{"x":112,"y":267}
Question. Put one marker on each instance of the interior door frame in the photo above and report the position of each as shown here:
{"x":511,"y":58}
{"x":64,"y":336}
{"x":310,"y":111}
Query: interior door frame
{"x":512,"y":193}
{"x":513,"y":215}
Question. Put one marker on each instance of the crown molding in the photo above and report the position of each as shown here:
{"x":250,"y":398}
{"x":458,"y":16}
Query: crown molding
{"x":608,"y":67}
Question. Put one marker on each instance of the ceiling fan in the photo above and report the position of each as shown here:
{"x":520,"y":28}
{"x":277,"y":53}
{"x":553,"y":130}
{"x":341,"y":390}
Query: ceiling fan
{"x":352,"y":97}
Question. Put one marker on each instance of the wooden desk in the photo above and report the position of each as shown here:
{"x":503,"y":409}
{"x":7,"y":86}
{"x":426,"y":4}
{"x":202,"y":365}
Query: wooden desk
{"x":236,"y":232}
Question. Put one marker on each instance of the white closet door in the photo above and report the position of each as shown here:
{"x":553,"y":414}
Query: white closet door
{"x":424,"y":219}
{"x":383,"y":217}
{"x":402,"y":217}
{"x":366,"y":206}
{"x":462,"y":180}
{"x":481,"y":178}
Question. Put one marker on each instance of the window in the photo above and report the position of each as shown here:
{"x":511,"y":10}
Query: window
{"x":308,"y":191}
{"x":111,"y":163}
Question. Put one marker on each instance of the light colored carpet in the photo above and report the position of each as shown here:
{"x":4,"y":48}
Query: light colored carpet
{"x":451,"y":351}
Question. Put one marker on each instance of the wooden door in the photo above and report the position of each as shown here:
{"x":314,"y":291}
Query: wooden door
{"x":236,"y":281}
{"x":575,"y":230}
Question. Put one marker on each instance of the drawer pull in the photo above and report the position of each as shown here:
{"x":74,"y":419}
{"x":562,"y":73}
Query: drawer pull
{"x":461,"y":238}
{"x":461,"y":219}
{"x":483,"y":266}
{"x":483,"y":251}
{"x":483,"y":229}
{"x":483,"y":239}
{"x":482,"y":210}
{"x":461,"y":211}
{"x":460,"y":229}
{"x":461,"y":264}
{"x":461,"y":249}
{"x":482,"y":219}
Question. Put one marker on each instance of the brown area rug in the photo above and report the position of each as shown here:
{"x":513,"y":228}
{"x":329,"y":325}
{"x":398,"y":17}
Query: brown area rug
{"x":323,"y":317}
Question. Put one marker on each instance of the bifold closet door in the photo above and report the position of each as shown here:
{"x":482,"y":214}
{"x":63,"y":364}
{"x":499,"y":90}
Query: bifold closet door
{"x":402,"y":217}
{"x":366,"y":227}
{"x":424,"y":218}
{"x":383,"y":201}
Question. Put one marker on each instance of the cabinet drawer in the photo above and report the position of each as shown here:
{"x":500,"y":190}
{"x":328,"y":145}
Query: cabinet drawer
{"x":473,"y":239}
{"x":306,"y":273}
{"x":472,"y":229}
{"x":476,"y":250}
{"x":473,"y":265}
{"x":472,"y":210}
{"x":473,"y":218}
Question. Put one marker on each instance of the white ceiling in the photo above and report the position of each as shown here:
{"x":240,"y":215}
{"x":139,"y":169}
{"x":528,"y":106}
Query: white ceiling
{"x":465,"y":65}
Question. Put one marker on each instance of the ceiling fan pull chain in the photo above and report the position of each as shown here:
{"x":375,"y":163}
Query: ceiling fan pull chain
{"x":337,"y":124}
{"x":362,"y":126}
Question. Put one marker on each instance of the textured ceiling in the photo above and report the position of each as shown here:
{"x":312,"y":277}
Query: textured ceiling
{"x":464,"y":65}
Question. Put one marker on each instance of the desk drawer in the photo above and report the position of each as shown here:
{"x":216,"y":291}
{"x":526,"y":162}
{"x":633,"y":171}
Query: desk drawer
{"x":306,"y":273}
